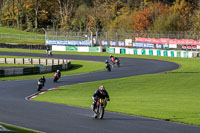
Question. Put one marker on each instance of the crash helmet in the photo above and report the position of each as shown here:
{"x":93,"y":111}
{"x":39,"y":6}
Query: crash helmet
{"x":101,"y":88}
{"x":106,"y":61}
{"x":110,"y":56}
{"x":58,"y":71}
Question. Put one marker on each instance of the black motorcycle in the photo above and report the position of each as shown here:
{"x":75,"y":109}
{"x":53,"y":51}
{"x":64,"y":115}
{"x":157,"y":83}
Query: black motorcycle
{"x":117,"y":62}
{"x":108,"y":67}
{"x":40,"y":85}
{"x":49,"y":53}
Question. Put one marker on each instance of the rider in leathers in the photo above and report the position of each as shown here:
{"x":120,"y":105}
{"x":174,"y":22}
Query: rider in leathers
{"x":100,"y":93}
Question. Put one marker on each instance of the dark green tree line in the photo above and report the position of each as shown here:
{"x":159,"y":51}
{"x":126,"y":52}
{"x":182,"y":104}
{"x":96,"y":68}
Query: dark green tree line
{"x":33,"y":15}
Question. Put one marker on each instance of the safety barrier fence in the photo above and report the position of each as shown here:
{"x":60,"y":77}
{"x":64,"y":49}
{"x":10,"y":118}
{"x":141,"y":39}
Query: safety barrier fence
{"x":134,"y":51}
{"x":153,"y":52}
{"x":55,"y":64}
{"x":32,"y":61}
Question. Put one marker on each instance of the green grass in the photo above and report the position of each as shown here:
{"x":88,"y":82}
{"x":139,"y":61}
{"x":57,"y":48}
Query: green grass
{"x":11,"y":35}
{"x":172,"y":96}
{"x":18,"y":129}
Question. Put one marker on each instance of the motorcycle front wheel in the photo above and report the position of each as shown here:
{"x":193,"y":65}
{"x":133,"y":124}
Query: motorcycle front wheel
{"x":101,"y":113}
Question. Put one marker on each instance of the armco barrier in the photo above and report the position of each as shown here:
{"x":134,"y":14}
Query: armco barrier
{"x":136,"y":51}
{"x":18,"y":71}
{"x":34,"y":70}
{"x":56,"y":67}
{"x":28,"y":71}
{"x":9,"y":72}
{"x":2,"y":73}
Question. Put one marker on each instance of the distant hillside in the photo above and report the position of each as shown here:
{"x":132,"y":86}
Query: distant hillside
{"x":13,"y":36}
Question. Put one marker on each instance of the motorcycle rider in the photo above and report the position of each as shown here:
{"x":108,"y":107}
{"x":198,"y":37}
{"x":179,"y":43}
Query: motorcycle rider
{"x":112,"y":58}
{"x":49,"y":52}
{"x":100,"y":93}
{"x":107,"y":64}
{"x":41,"y":81}
{"x":59,"y":73}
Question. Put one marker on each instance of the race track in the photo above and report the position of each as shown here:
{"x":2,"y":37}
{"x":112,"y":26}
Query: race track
{"x":57,"y":118}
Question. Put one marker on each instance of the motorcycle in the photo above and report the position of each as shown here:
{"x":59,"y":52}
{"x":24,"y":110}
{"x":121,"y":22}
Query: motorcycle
{"x":49,"y":53}
{"x":40,"y":85}
{"x":115,"y":61}
{"x":56,"y":77}
{"x":108,"y":67}
{"x":100,"y":107}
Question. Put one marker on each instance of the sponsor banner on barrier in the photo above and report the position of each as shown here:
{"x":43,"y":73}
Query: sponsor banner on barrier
{"x":166,"y":46}
{"x":172,"y":45}
{"x":143,"y":45}
{"x":113,"y":43}
{"x":172,"y":41}
{"x":138,"y":45}
{"x":121,"y":43}
{"x":159,"y":46}
{"x":148,"y":45}
{"x":194,"y":47}
{"x":104,"y":43}
{"x":94,"y":49}
{"x":110,"y":50}
{"x":128,"y":42}
{"x":191,"y":47}
{"x":69,"y":42}
{"x":72,"y":48}
{"x":139,"y":39}
{"x":184,"y":47}
{"x":168,"y":41}
{"x":51,"y":42}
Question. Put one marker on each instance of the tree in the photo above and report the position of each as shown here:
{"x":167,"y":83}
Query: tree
{"x":144,"y":19}
{"x":184,"y":10}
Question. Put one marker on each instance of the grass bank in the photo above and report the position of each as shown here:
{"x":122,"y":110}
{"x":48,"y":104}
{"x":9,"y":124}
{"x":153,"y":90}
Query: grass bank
{"x":11,"y":35}
{"x":15,"y":129}
{"x":171,"y":96}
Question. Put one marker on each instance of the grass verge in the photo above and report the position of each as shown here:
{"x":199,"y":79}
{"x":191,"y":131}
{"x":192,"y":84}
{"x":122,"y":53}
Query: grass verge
{"x":11,"y":35}
{"x":16,"y":129}
{"x":171,"y":96}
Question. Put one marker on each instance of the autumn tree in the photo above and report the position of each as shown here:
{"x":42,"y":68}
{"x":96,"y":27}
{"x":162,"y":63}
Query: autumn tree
{"x":144,"y":19}
{"x":184,"y":10}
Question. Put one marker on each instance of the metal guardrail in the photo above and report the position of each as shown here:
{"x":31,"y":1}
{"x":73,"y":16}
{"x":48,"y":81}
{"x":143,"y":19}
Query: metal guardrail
{"x":33,"y":61}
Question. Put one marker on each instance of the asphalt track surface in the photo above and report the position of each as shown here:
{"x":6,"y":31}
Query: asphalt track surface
{"x":58,"y":118}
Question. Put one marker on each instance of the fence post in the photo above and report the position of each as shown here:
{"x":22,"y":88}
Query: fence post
{"x":39,"y":60}
{"x":5,"y":61}
{"x":23,"y":60}
{"x":14,"y":60}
